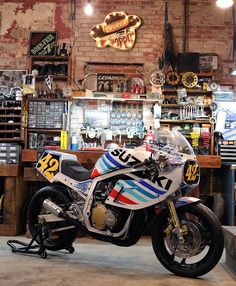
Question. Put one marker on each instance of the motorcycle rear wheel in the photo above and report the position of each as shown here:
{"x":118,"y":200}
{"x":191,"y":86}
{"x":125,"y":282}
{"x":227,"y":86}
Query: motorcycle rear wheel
{"x":203,"y":243}
{"x":51,"y":241}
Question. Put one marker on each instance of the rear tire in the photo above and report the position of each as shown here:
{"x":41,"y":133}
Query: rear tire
{"x":203,"y":245}
{"x":61,"y":239}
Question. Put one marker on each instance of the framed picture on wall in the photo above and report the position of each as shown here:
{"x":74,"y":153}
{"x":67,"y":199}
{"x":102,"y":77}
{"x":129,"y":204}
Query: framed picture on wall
{"x":43,"y":43}
{"x":97,"y":118}
{"x":10,"y":79}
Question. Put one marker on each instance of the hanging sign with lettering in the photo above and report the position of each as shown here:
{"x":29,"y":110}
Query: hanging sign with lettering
{"x":118,"y":31}
{"x":43,"y":43}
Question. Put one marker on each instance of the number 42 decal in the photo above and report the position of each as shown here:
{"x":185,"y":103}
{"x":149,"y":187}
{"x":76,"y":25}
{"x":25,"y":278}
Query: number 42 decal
{"x":48,"y":165}
{"x":191,"y":172}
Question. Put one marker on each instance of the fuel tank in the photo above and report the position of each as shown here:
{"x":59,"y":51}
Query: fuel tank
{"x":119,"y":159}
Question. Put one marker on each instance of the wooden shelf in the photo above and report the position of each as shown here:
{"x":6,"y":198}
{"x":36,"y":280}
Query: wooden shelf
{"x":183,"y":121}
{"x":9,"y":170}
{"x":171,"y":105}
{"x":8,"y":116}
{"x":50,"y":58}
{"x":10,"y":131}
{"x":55,"y":77}
{"x":11,"y":139}
{"x":10,"y":108}
{"x":192,"y":91}
{"x":43,"y":130}
{"x":114,"y":63}
{"x":47,"y":99}
{"x":178,"y":105}
{"x":11,"y":124}
{"x":117,"y":99}
{"x":209,"y":161}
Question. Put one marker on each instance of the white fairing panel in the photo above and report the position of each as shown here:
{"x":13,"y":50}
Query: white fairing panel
{"x":137,"y":193}
{"x":49,"y":165}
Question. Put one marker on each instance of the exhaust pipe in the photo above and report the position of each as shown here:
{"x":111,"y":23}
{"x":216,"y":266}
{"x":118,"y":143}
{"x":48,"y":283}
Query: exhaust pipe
{"x":58,"y":211}
{"x":52,"y":208}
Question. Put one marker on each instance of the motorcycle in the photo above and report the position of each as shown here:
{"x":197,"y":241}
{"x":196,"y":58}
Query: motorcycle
{"x":126,"y":192}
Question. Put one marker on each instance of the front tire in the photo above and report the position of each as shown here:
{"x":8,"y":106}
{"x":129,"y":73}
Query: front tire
{"x":203,"y":243}
{"x":51,"y":240}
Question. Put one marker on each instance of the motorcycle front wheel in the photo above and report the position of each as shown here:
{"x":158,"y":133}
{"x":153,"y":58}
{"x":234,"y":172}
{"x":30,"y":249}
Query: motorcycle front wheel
{"x":202,"y":244}
{"x":55,"y":235}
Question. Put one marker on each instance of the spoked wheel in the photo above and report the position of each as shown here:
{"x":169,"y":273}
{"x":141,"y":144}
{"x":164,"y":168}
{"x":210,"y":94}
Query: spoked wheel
{"x":202,"y":244}
{"x":55,"y":235}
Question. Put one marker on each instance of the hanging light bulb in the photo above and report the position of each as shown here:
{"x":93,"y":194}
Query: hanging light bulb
{"x":224,"y":3}
{"x":88,"y":9}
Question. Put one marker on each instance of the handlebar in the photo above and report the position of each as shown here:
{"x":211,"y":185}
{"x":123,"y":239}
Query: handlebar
{"x":150,"y":161}
{"x":144,"y":163}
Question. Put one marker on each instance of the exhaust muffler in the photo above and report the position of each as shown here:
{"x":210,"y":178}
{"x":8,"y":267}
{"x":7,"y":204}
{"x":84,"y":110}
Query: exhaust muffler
{"x":53,"y":208}
{"x":58,"y":211}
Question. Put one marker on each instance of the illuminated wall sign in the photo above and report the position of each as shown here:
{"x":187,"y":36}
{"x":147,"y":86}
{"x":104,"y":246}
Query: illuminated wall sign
{"x":117,"y":31}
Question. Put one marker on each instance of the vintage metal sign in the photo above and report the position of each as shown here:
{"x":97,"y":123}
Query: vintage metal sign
{"x":118,"y":31}
{"x":42,"y":43}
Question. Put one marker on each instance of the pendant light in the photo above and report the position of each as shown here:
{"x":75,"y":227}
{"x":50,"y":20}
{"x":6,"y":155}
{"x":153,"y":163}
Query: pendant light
{"x":88,"y":9}
{"x":224,"y":3}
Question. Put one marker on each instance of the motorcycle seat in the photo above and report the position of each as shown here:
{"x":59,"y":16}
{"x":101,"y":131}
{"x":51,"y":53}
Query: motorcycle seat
{"x":75,"y":170}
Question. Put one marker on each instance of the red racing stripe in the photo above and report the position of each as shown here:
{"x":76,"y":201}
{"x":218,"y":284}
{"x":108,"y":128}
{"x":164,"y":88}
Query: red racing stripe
{"x":113,"y":193}
{"x":94,"y":173}
{"x":125,"y":200}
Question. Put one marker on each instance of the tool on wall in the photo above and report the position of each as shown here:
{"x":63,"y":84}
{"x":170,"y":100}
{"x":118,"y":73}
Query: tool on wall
{"x":172,"y":78}
{"x":168,"y":57}
{"x":189,"y":79}
{"x":157,"y":78}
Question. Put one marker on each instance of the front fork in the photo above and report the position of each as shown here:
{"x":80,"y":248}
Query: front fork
{"x":178,"y":229}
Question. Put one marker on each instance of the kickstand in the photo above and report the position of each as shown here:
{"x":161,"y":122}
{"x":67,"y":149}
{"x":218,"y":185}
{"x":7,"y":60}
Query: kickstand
{"x":27,"y":248}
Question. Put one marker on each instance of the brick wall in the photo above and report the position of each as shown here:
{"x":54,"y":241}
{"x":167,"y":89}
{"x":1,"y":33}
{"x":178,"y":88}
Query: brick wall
{"x":210,"y":30}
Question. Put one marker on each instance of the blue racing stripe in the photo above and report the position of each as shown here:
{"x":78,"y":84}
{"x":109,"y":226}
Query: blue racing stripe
{"x":106,"y":164}
{"x":134,"y":194}
{"x":102,"y":166}
{"x":113,"y":161}
{"x":144,"y":192}
{"x":155,"y":190}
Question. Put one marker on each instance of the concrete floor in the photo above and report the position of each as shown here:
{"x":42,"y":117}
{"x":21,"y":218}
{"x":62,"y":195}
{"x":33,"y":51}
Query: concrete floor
{"x":97,"y":263}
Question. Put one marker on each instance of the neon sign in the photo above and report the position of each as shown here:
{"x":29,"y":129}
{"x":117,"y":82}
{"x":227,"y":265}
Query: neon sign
{"x":118,"y":31}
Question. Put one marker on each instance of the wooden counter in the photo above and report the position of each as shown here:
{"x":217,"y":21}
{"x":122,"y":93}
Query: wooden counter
{"x":89,"y":158}
{"x":14,"y":196}
{"x":86,"y":158}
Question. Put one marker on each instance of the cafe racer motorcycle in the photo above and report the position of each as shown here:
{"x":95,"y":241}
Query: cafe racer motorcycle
{"x":126,"y":191}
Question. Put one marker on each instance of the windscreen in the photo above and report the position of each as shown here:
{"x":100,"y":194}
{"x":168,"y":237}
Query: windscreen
{"x":172,"y":141}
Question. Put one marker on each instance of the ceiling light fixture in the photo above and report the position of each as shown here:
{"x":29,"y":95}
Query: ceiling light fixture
{"x":88,"y":9}
{"x":224,"y":3}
